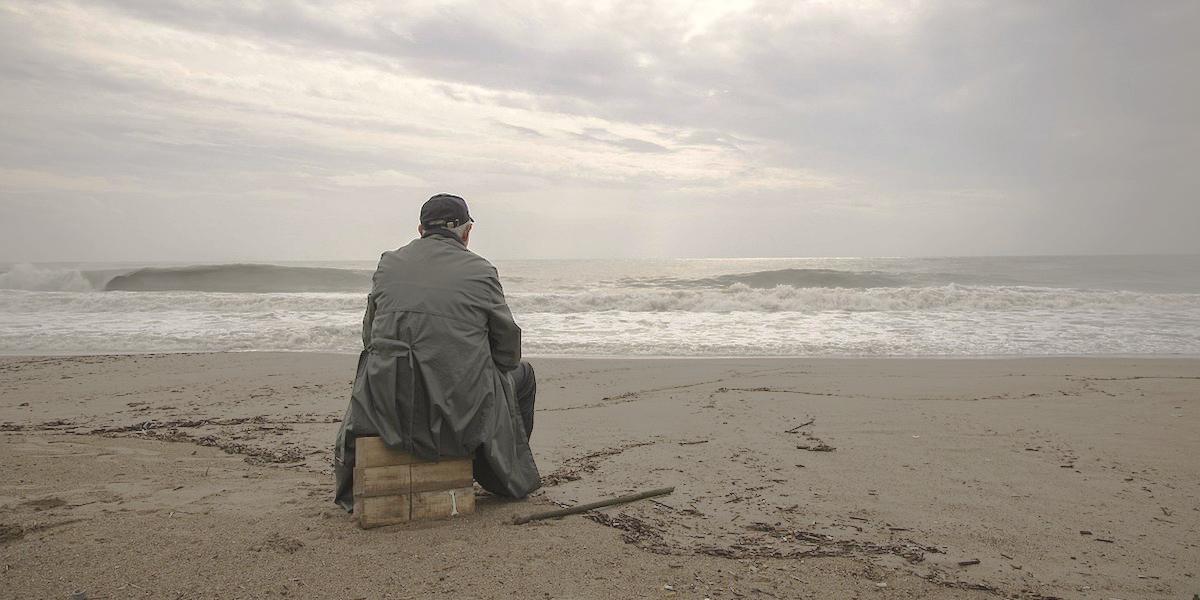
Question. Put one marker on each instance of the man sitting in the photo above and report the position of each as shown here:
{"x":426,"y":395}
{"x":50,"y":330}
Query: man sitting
{"x":441,"y":373}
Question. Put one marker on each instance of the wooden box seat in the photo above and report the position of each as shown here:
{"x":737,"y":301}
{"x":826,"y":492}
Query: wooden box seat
{"x":393,"y":487}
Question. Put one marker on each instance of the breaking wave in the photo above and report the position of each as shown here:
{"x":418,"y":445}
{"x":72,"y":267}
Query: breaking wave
{"x":266,"y":278}
{"x":36,"y":279}
{"x":251,"y":278}
{"x":817,"y":278}
{"x":933,"y":307}
{"x":784,"y":298}
{"x":735,"y":298}
{"x":241,"y":278}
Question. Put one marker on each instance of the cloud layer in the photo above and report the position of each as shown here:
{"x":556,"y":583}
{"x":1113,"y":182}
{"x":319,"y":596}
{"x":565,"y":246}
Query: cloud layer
{"x":172,"y":130}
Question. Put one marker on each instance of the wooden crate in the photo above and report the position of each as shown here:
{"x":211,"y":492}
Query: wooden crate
{"x":393,"y":487}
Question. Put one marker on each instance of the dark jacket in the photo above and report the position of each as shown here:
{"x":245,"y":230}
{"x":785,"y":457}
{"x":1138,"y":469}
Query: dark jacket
{"x":439,"y":341}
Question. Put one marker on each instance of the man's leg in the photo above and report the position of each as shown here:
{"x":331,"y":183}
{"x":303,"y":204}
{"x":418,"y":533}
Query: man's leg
{"x":525,"y":387}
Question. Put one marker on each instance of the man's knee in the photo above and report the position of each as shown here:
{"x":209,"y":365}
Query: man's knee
{"x":524,"y":379}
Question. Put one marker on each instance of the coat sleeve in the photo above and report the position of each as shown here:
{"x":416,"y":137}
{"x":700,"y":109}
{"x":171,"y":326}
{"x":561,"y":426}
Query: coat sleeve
{"x":504,"y":335}
{"x":368,"y":319}
{"x":369,"y":315}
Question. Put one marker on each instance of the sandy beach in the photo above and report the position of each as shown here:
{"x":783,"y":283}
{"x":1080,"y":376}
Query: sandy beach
{"x":207,"y":476}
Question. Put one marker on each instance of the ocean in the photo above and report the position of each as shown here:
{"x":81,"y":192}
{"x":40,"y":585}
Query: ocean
{"x":962,"y":307}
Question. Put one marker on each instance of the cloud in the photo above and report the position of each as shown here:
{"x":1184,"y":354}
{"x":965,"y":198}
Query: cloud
{"x":524,"y":131}
{"x":17,"y":181}
{"x":871,"y":112}
{"x":385,"y":178}
{"x":603,"y":136}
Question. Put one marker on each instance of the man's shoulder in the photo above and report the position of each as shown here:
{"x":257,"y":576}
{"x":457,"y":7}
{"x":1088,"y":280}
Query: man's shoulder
{"x":430,"y":251}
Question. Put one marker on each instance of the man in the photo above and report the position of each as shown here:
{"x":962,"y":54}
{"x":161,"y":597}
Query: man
{"x":441,"y":374}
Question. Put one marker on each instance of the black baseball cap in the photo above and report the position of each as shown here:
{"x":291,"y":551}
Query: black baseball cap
{"x":445,"y":210}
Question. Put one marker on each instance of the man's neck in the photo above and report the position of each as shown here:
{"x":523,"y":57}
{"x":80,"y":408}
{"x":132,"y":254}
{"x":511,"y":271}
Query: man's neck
{"x":443,"y":233}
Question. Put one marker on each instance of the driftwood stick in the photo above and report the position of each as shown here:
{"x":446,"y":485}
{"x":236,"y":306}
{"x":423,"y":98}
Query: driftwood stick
{"x":804,"y":424}
{"x":580,"y":508}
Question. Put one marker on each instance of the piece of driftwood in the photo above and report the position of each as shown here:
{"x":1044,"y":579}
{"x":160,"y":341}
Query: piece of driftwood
{"x":804,"y":424}
{"x":581,"y":508}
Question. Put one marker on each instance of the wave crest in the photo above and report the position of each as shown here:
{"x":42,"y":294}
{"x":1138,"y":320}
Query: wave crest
{"x":804,"y":278}
{"x":251,"y":278}
{"x":785,"y":298}
{"x":36,"y":279}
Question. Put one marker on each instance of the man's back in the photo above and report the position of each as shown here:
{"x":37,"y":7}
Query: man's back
{"x":439,"y":341}
{"x":439,"y":277}
{"x":446,"y":305}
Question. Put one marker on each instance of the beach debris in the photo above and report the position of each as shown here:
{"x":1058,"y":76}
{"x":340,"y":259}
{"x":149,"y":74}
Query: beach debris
{"x":1085,"y":532}
{"x":581,"y":508}
{"x":663,"y":504}
{"x":45,"y":503}
{"x":79,"y":595}
{"x":968,"y":562}
{"x":798,"y":427}
{"x":280,"y":544}
{"x":693,"y":442}
{"x":573,"y":468}
{"x":55,"y":425}
{"x":10,"y":532}
{"x":1106,"y":540}
{"x":809,"y":544}
{"x":249,"y":428}
{"x":818,"y":447}
{"x":634,"y":531}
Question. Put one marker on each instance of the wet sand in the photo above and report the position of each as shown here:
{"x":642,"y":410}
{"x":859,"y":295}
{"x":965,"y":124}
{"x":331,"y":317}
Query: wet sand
{"x":207,"y":476}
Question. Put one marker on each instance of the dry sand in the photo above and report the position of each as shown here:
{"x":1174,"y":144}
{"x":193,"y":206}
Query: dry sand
{"x":206,"y":476}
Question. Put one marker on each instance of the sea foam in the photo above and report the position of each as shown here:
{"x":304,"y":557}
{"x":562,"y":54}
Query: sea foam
{"x":794,"y":307}
{"x":30,"y":278}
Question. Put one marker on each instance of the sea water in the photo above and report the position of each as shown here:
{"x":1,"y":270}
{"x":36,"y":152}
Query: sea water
{"x":979,"y":306}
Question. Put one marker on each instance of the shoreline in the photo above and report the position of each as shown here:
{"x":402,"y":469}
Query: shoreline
{"x":930,"y":462}
{"x":800,"y":357}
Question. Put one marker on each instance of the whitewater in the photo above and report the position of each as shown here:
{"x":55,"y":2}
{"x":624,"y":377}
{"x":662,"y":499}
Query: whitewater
{"x":983,"y":306}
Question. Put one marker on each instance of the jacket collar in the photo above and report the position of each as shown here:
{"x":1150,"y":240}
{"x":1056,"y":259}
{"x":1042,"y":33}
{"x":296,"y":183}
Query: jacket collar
{"x":444,"y":235}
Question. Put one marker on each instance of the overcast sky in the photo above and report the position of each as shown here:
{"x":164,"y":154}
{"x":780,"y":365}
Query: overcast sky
{"x":214,"y":131}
